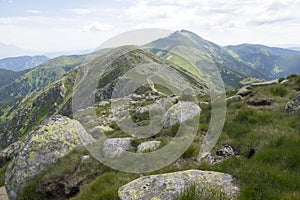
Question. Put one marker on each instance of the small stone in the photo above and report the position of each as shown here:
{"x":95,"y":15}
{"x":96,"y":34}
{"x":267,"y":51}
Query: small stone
{"x":114,"y":147}
{"x":148,"y":146}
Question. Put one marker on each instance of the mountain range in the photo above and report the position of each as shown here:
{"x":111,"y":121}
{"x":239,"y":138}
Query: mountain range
{"x":39,"y":123}
{"x":22,"y":62}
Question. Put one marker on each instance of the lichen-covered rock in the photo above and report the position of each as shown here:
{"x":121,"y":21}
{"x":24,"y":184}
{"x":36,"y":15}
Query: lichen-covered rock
{"x":114,"y":147}
{"x":293,"y":106}
{"x":180,"y":112}
{"x":8,"y":153}
{"x":169,"y":186}
{"x":53,"y":139}
{"x":148,"y":146}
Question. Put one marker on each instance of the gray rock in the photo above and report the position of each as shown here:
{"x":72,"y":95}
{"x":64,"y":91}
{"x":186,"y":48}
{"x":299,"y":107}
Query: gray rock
{"x":244,"y":91}
{"x":293,"y":106}
{"x":235,"y":98}
{"x":148,"y":146}
{"x":164,"y":103}
{"x":8,"y":153}
{"x":180,"y":112}
{"x":169,"y":186}
{"x":284,"y":81}
{"x":55,"y":138}
{"x":104,"y":103}
{"x":114,"y":147}
{"x":272,"y":82}
{"x":227,"y":151}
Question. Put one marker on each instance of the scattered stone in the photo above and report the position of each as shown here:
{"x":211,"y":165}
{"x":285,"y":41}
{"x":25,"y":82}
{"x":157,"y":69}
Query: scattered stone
{"x":104,"y":103}
{"x":263,"y":102}
{"x":265,"y":83}
{"x":135,"y":97}
{"x":222,"y":154}
{"x":250,"y":80}
{"x":284,"y":81}
{"x":180,"y":112}
{"x":164,"y":103}
{"x":171,"y":185}
{"x":227,"y":151}
{"x":235,"y":98}
{"x":114,"y":147}
{"x":40,"y":150}
{"x":244,"y":91}
{"x":293,"y":106}
{"x":148,"y":146}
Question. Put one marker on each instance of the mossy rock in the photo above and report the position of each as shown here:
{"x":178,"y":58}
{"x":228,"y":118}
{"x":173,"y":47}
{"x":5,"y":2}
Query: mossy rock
{"x":53,"y":139}
{"x":171,"y":185}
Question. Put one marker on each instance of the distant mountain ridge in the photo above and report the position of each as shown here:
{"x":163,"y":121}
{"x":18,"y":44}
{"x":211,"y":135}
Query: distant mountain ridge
{"x":198,"y":52}
{"x":7,"y":76}
{"x":22,"y":62}
{"x":272,"y":62}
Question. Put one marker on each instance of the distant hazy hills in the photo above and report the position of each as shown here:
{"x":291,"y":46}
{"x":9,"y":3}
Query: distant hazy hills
{"x":9,"y":50}
{"x":271,"y":62}
{"x":22,"y":62}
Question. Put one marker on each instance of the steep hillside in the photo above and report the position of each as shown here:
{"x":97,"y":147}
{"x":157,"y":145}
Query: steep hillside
{"x":259,"y":147}
{"x":199,"y":52}
{"x":22,"y":62}
{"x":57,"y":98}
{"x":7,"y":76}
{"x":38,"y":78}
{"x":271,"y":62}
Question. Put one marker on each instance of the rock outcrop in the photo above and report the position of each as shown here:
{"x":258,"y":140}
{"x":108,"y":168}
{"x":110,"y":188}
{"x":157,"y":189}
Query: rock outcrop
{"x":293,"y":106}
{"x":169,"y":186}
{"x":53,"y":139}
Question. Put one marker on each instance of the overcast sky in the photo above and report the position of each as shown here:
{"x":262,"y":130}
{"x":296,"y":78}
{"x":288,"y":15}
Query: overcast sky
{"x":57,"y":25}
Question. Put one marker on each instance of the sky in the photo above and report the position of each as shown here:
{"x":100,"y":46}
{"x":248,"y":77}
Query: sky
{"x":60,"y":25}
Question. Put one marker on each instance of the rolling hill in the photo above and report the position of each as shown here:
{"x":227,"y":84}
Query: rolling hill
{"x":270,"y":61}
{"x":22,"y":62}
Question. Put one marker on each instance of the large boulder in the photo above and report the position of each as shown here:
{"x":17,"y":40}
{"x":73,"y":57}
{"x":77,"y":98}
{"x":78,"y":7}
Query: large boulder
{"x":53,"y":139}
{"x":180,"y":112}
{"x":169,"y":186}
{"x":293,"y":106}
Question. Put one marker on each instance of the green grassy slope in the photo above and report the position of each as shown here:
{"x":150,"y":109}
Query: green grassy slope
{"x":271,"y":173}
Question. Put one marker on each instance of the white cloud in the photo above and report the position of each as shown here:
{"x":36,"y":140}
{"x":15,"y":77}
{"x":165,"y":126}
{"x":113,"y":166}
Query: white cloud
{"x":97,"y":26}
{"x":34,"y":11}
{"x":12,"y":20}
{"x":79,"y":11}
